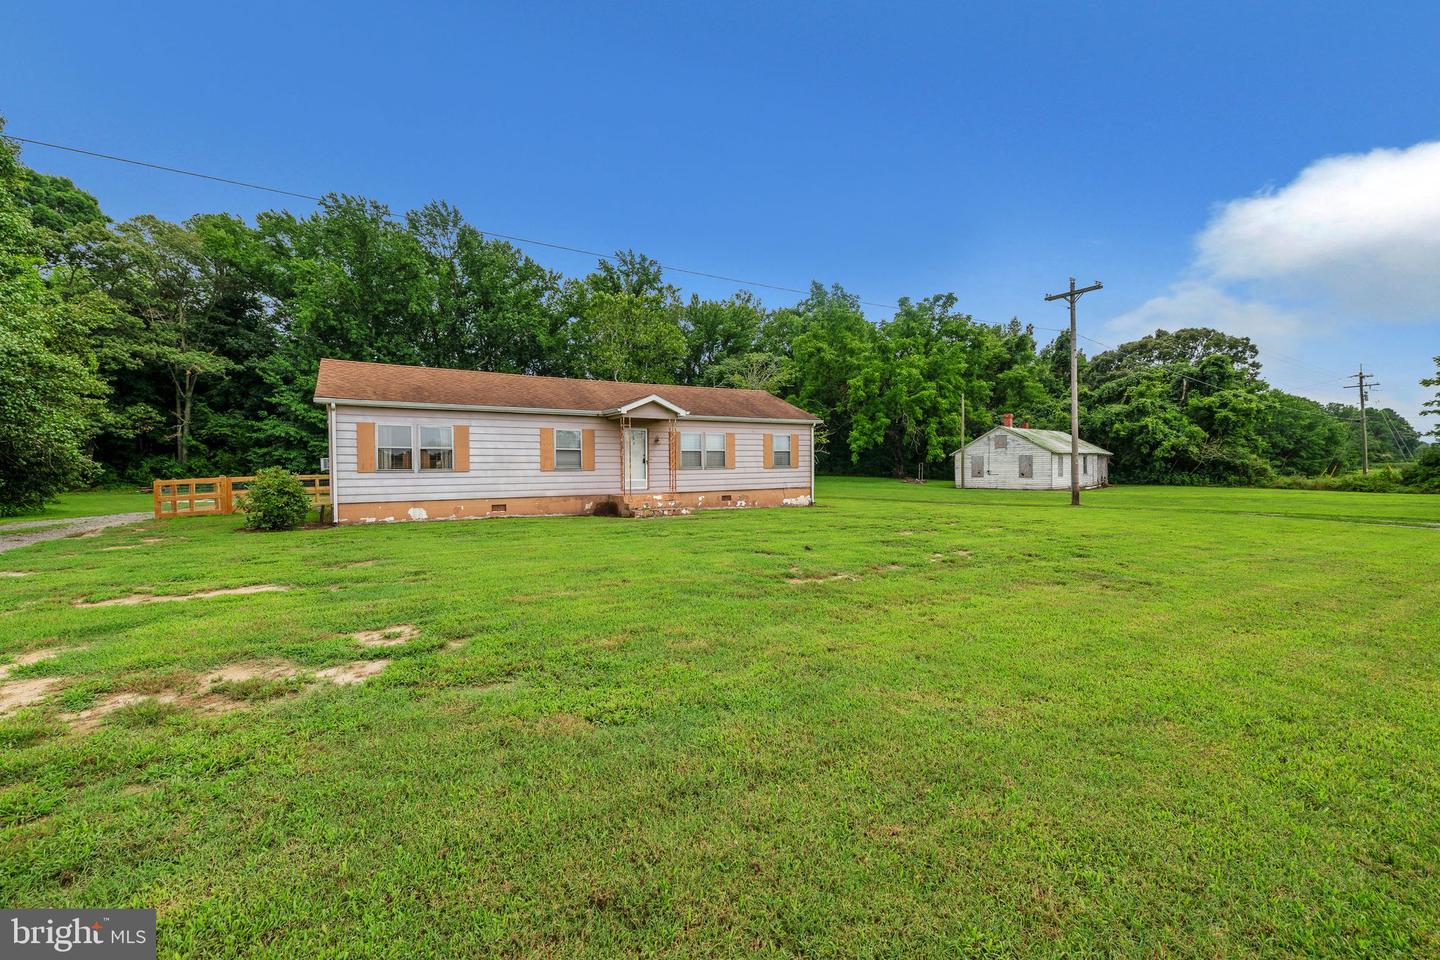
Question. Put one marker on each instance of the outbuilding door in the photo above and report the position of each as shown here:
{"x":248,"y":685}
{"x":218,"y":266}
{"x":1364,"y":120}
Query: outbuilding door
{"x":637,"y":467}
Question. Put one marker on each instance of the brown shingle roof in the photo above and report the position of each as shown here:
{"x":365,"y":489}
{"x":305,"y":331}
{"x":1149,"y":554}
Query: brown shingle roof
{"x":394,"y":383}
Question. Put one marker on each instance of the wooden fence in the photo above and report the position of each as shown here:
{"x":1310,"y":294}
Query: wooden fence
{"x":199,"y":496}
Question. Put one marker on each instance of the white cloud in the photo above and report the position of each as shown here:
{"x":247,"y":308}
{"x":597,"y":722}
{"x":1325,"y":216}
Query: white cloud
{"x":1199,"y":304}
{"x":1362,"y":230}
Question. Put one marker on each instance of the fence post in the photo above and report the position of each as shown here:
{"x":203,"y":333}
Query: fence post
{"x":226,"y":498}
{"x":155,"y":490}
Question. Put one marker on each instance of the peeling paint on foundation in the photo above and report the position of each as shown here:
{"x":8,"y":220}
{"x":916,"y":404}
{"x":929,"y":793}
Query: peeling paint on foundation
{"x":418,"y":513}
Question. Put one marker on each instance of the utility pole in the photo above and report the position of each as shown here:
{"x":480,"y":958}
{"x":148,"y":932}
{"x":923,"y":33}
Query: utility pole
{"x":1364,"y":389}
{"x":962,"y":440}
{"x":1072,"y":295}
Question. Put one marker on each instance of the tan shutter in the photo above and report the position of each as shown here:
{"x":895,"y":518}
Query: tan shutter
{"x":769,"y":450}
{"x":730,"y":451}
{"x":587,"y":454}
{"x":675,"y":450}
{"x":794,"y":449}
{"x":547,"y":448}
{"x":461,"y":440}
{"x":365,"y":447}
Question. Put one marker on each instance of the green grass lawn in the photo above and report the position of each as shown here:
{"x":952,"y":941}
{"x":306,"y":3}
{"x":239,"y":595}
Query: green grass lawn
{"x":88,"y":503}
{"x":910,"y":721}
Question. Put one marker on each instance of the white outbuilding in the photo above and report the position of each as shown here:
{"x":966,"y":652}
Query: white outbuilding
{"x":1019,"y":458}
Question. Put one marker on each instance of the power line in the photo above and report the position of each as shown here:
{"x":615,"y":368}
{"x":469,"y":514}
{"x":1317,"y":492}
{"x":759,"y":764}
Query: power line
{"x":161,"y":166}
{"x":1400,"y":443}
{"x":492,"y":233}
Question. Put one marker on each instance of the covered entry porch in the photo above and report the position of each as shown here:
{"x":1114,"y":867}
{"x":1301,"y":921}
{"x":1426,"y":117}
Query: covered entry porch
{"x":649,"y":455}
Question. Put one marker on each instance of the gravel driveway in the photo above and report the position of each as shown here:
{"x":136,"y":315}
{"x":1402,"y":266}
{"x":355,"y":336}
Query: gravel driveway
{"x":14,"y":535}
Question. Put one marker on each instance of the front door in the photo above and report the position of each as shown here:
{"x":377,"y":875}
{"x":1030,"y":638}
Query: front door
{"x":637,"y":472}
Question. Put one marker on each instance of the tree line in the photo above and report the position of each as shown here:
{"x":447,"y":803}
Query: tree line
{"x":144,"y":348}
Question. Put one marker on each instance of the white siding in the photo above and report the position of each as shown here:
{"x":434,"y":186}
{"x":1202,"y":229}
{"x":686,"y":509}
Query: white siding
{"x":1002,"y":467}
{"x":1097,"y":477}
{"x":505,"y":458}
{"x":749,"y":472}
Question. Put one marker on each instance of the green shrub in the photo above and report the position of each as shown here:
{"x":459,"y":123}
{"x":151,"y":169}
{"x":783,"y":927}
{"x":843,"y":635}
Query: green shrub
{"x":1424,"y":474}
{"x":275,"y":500}
{"x":1378,"y":480}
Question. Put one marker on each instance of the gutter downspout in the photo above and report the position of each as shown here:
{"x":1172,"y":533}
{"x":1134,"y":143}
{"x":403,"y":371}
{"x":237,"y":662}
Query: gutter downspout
{"x":812,"y":464}
{"x":334,"y":490}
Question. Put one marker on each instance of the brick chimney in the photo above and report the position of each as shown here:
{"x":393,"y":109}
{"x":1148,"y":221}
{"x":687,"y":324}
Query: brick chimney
{"x":1007,"y":419}
{"x":1025,"y":425}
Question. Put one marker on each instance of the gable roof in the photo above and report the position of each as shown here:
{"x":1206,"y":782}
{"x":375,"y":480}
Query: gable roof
{"x":1055,"y":441}
{"x":392,"y":384}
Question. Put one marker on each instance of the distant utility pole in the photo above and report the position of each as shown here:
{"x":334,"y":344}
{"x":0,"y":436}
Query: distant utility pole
{"x":1364,"y":389}
{"x":1072,"y":295}
{"x":962,"y":440}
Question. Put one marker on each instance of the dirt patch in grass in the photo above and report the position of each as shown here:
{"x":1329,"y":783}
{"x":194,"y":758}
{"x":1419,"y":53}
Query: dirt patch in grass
{"x":147,"y":541}
{"x":16,"y":573}
{"x":24,"y":693}
{"x":387,"y":637}
{"x":32,"y":656}
{"x":348,"y":674}
{"x":233,"y":687}
{"x":960,"y":554}
{"x":138,"y":598}
{"x":248,"y":671}
{"x":83,"y":721}
{"x":611,"y":641}
{"x":564,"y":724}
{"x":797,"y":577}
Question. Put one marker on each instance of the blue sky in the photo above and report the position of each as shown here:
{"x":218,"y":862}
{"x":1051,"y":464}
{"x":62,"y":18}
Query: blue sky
{"x":1177,"y":152}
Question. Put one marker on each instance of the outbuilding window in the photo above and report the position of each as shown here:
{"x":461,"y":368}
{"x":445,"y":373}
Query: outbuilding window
{"x":1085,"y":464}
{"x":394,"y":447}
{"x":568,"y":450}
{"x":977,"y":466}
{"x":437,"y":448}
{"x":780,"y":455}
{"x":1027,"y":466}
{"x":1002,"y":442}
{"x":692,"y":451}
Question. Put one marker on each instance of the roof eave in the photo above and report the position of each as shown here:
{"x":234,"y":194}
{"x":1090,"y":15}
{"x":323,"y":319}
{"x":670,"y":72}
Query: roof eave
{"x":551,"y":411}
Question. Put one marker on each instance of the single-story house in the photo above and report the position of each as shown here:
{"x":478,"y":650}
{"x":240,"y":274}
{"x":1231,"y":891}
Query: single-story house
{"x":417,"y":443}
{"x":1019,"y":458}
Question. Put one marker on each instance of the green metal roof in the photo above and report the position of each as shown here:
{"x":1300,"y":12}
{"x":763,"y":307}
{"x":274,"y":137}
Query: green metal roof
{"x":1055,"y":441}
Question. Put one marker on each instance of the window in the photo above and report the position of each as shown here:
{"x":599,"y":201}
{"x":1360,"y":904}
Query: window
{"x":780,"y":456}
{"x":692,"y":451}
{"x":437,"y":448}
{"x":699,"y":450}
{"x":977,"y":466}
{"x":1001,"y":441}
{"x":394,"y":447}
{"x":1027,"y":466}
{"x":714,"y":450}
{"x":1085,"y":464}
{"x":568,"y":454}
